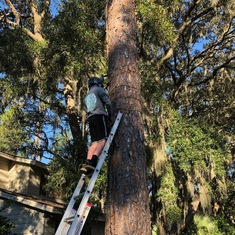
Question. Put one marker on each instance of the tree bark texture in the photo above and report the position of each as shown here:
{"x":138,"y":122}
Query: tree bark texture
{"x":128,"y":200}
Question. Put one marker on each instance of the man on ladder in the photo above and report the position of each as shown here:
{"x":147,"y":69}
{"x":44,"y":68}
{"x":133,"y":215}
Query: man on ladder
{"x":96,"y":103}
{"x":99,"y":113}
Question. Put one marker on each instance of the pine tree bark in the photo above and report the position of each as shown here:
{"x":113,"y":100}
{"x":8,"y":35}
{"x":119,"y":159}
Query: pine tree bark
{"x":128,"y":202}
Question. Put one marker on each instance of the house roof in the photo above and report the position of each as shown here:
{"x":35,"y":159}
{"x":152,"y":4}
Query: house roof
{"x":51,"y":205}
{"x":33,"y":201}
{"x":23,"y":160}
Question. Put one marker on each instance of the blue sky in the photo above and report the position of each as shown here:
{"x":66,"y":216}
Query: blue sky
{"x":54,"y":6}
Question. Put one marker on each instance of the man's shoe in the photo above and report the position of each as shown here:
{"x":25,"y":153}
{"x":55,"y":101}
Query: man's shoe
{"x":87,"y":172}
{"x":88,"y":167}
{"x":83,"y":168}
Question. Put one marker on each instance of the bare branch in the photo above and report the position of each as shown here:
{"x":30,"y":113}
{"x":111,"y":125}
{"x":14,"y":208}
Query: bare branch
{"x":214,"y":73}
{"x":184,"y":25}
{"x":15,"y":12}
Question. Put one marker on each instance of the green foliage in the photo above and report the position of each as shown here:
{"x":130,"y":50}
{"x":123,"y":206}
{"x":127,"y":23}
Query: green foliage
{"x":156,"y":22}
{"x":76,"y":37}
{"x":154,"y":229}
{"x":196,"y":145}
{"x":60,"y":178}
{"x":64,"y":167}
{"x":6,"y":93}
{"x":12,"y":134}
{"x":5,"y":226}
{"x":227,"y":201}
{"x":168,"y":191}
{"x":225,"y":226}
{"x":18,"y":59}
{"x":206,"y":225}
{"x":37,"y":47}
{"x":173,"y":213}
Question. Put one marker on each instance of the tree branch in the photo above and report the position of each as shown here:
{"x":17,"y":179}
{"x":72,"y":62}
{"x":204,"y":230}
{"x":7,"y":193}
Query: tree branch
{"x":14,"y":18}
{"x":214,"y":73}
{"x":184,"y":25}
{"x":15,"y":13}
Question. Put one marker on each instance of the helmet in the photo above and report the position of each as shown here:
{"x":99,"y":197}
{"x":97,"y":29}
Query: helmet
{"x":94,"y":81}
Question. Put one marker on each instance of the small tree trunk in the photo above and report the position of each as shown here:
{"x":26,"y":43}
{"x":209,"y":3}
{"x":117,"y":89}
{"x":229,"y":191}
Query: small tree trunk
{"x":128,"y":201}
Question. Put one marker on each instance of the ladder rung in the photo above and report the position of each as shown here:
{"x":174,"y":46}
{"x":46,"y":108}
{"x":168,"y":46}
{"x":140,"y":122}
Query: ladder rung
{"x":79,"y":195}
{"x":69,"y":219}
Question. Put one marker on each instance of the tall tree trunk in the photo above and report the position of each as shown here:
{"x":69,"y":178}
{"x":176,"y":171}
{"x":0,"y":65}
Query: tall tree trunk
{"x":128,"y":202}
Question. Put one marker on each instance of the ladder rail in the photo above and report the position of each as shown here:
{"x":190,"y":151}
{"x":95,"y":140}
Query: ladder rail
{"x":82,"y":220}
{"x":61,"y":230}
{"x":104,"y":154}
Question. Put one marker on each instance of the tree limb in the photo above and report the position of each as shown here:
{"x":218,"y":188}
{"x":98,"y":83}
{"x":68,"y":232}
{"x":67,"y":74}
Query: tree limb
{"x":37,"y":16}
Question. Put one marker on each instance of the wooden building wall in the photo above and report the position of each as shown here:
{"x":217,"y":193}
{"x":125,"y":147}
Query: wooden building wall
{"x":27,"y":220}
{"x":19,"y":177}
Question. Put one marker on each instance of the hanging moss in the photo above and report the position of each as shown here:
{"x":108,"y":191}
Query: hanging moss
{"x":168,"y":195}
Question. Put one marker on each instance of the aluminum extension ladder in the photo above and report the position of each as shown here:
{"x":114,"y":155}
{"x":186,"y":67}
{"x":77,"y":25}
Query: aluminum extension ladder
{"x":73,"y":221}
